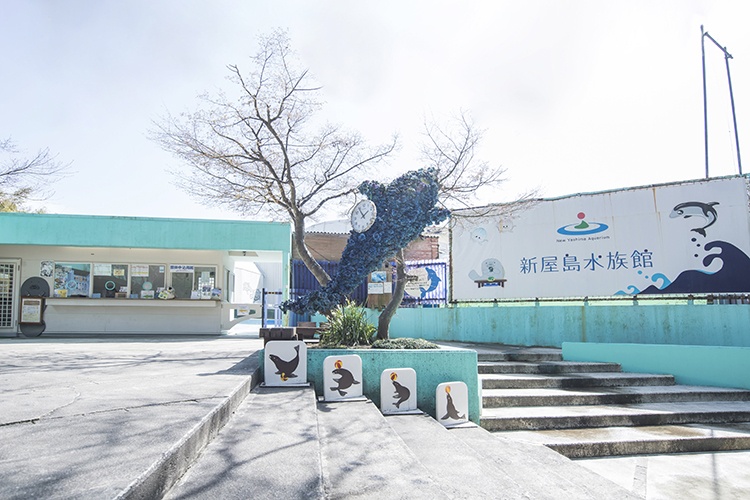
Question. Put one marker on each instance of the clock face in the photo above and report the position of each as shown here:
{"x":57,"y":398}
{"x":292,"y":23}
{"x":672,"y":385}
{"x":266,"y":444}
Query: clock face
{"x":363,"y":216}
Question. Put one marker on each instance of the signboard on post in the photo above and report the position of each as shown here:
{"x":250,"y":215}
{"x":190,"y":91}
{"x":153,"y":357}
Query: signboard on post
{"x":690,"y":237}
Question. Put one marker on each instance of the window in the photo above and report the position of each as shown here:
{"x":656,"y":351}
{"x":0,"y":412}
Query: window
{"x":146,"y":280}
{"x":110,"y":281}
{"x":193,"y":282}
{"x":72,"y":280}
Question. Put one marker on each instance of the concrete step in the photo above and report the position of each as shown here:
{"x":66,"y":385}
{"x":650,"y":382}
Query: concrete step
{"x":538,"y":355}
{"x":572,"y":380}
{"x":618,"y":441}
{"x":548,"y":367}
{"x":269,"y":449}
{"x":472,"y":463}
{"x":359,"y":450}
{"x":497,"y":398}
{"x":571,"y":417}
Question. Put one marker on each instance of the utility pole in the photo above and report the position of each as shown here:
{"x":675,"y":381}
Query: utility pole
{"x":727,"y":57}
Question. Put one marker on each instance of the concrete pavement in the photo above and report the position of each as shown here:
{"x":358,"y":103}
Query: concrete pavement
{"x":91,"y":418}
{"x":124,"y":418}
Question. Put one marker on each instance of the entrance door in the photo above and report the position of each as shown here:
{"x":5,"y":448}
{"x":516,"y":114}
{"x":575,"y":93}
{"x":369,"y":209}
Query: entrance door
{"x":8,"y":278}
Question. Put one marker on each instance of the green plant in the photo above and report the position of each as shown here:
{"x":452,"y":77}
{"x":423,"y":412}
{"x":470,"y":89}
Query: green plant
{"x":404,"y":344}
{"x":347,"y":326}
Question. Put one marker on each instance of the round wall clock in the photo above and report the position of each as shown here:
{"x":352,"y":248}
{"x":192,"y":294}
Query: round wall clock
{"x":363,"y":215}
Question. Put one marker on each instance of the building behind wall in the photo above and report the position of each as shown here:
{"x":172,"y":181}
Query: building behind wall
{"x":105,"y":274}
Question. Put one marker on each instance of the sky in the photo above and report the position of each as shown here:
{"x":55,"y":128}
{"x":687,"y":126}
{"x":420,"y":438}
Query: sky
{"x":573,"y":96}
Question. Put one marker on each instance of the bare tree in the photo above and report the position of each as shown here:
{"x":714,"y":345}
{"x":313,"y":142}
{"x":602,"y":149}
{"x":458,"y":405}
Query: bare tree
{"x":260,"y":152}
{"x":24,"y":178}
{"x":451,"y":149}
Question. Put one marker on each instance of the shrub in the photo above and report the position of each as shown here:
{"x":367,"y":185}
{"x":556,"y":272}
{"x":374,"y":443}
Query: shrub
{"x":347,"y":327}
{"x":404,"y":344}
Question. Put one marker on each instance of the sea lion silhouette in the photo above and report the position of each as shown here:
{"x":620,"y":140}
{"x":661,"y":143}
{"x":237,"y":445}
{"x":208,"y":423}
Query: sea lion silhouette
{"x":402,"y":393}
{"x":452,"y":412}
{"x":286,"y":367}
{"x":696,"y":209}
{"x":345,"y":381}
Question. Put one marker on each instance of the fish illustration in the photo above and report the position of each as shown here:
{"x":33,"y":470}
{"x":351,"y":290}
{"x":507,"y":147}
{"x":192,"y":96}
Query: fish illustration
{"x":452,"y":412}
{"x":286,"y":368}
{"x":696,"y":209}
{"x":345,"y":381}
{"x":402,"y":393}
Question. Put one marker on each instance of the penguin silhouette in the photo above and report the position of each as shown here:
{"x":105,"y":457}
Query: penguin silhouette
{"x":452,"y":412}
{"x":344,"y":382}
{"x":286,"y":368}
{"x":402,"y":393}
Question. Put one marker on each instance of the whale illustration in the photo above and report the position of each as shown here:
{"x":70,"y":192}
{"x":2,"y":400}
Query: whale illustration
{"x":451,"y":410}
{"x":696,"y":209}
{"x":345,"y":381}
{"x":286,"y":368}
{"x":402,"y":393}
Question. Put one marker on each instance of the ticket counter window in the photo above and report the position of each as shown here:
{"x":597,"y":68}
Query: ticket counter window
{"x":193,"y":282}
{"x":110,"y":281}
{"x":146,"y":280}
{"x":72,"y":280}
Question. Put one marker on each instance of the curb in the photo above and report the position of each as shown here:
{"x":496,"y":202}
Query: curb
{"x":159,"y":478}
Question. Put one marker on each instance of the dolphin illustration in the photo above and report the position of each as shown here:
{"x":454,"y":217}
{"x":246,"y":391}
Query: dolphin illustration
{"x":451,"y":410}
{"x":402,"y":393}
{"x":286,"y":368}
{"x":696,"y":209}
{"x":434,"y":280}
{"x":344,"y":382}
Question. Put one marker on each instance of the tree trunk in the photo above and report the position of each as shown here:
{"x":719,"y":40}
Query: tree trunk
{"x":312,"y":265}
{"x":384,"y":320}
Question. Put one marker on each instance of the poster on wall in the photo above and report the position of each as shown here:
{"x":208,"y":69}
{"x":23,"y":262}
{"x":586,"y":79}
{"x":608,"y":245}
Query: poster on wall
{"x":690,"y":237}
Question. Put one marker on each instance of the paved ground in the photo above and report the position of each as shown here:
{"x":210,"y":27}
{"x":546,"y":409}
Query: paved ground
{"x":90,"y":418}
{"x":83,"y":418}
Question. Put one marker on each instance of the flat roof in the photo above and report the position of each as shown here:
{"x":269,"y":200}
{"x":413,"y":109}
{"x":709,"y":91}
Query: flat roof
{"x":143,"y":232}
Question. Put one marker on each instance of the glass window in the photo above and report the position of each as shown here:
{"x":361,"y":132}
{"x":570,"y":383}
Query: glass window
{"x":146,"y":280}
{"x":192,"y":282}
{"x":72,"y":280}
{"x":110,"y":281}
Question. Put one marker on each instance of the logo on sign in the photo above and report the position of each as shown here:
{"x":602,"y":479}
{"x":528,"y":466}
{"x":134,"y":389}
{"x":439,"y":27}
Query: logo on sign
{"x":583,"y":228}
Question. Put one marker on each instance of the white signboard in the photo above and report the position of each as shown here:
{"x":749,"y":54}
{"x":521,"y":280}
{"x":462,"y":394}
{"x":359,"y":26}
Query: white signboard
{"x":452,"y":403}
{"x":692,"y":237}
{"x":398,"y":391}
{"x":342,"y":377}
{"x":285,"y":363}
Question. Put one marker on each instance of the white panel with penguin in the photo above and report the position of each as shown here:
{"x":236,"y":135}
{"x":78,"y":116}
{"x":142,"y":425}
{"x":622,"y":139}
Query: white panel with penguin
{"x":398,"y":391}
{"x":342,"y":377}
{"x":285,"y":363}
{"x":452,"y":403}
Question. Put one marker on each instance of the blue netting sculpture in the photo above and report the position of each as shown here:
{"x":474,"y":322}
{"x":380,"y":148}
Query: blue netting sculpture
{"x":404,"y":208}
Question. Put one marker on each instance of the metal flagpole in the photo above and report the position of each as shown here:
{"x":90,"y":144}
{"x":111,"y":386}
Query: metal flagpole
{"x":705,"y":102}
{"x":727,"y":57}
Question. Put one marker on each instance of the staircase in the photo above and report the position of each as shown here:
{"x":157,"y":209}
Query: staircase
{"x":584,"y":410}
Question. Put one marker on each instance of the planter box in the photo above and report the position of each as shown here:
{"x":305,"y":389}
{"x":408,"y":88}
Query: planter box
{"x":433,"y":367}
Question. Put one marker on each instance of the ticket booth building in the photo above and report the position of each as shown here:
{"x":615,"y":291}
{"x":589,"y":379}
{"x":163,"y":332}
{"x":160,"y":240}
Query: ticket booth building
{"x":132,"y":275}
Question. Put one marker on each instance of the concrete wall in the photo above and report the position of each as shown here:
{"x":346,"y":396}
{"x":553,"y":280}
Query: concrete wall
{"x":552,"y":324}
{"x":692,"y":365}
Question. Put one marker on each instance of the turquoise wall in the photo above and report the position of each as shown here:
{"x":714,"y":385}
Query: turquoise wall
{"x":691,"y":365}
{"x":142,"y":232}
{"x":433,"y":367}
{"x":552,"y":324}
